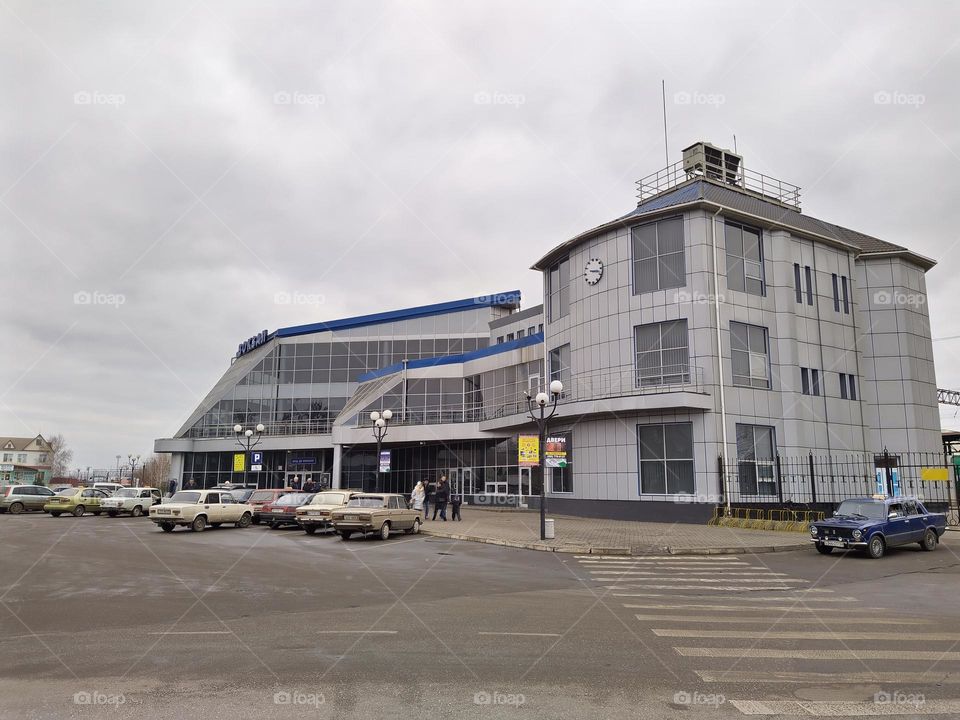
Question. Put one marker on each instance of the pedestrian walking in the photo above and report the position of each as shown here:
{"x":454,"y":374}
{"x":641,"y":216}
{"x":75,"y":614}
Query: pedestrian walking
{"x":428,"y":493}
{"x":171,"y":487}
{"x":418,"y":496}
{"x":441,"y":497}
{"x":456,"y":500}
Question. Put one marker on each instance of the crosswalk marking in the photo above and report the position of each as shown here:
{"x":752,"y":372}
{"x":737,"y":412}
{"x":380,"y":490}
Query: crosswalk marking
{"x":803,"y":635}
{"x":720,"y":573}
{"x":781,"y":620}
{"x":738,"y":608}
{"x":795,"y":654}
{"x":930,"y":679}
{"x":681,"y":558}
{"x":844,"y":708}
{"x":627,"y":585}
{"x":779,"y":598}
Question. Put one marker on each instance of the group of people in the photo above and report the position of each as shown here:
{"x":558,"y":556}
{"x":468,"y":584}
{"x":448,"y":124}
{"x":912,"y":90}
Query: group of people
{"x":310,"y":486}
{"x":426,"y":493}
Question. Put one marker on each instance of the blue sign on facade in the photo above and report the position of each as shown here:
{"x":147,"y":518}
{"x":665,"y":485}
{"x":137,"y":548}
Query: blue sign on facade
{"x":303,"y":461}
{"x":256,"y":458}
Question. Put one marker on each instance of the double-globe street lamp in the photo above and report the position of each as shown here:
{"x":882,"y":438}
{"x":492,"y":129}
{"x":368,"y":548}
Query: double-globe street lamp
{"x":380,"y":420}
{"x":537,"y":407}
{"x":246,"y":440}
{"x":133,"y":460}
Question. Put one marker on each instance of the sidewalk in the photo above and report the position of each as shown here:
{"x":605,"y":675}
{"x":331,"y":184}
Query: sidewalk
{"x":610,"y":537}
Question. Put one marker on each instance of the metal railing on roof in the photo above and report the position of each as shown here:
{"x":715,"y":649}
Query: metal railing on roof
{"x":768,"y":188}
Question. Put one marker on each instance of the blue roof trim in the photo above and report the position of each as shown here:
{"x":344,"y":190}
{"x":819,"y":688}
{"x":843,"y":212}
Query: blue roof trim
{"x":510,"y":299}
{"x":453,"y":359}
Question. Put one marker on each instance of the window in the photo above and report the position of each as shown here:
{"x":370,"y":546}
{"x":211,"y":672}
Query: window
{"x":836,"y":294}
{"x":815,"y":381}
{"x":662,"y":353}
{"x":500,"y":340}
{"x":846,"y":297}
{"x":852,"y":387}
{"x":848,"y":388}
{"x":755,"y":460}
{"x":532,"y":330}
{"x":796,"y":282}
{"x":744,"y":258}
{"x":212,"y":499}
{"x":509,"y":337}
{"x":519,"y":333}
{"x":8,"y":457}
{"x":666,"y":458}
{"x":558,"y":290}
{"x":540,"y":327}
{"x":561,"y":478}
{"x":658,"y":256}
{"x":560,"y":367}
{"x":804,"y":381}
{"x":43,"y":458}
{"x":809,"y":276}
{"x":748,"y":354}
{"x":21,"y":457}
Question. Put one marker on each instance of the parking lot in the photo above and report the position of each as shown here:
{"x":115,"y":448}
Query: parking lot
{"x":111,"y":616}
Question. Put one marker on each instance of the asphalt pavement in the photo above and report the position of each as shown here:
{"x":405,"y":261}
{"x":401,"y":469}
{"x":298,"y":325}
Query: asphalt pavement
{"x":110,"y":617}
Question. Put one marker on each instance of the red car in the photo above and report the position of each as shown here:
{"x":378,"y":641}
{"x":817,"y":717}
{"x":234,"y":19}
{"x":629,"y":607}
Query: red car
{"x":283,"y":510}
{"x":264,"y":497}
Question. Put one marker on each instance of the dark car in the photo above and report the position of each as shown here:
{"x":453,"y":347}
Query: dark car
{"x":283,"y":510}
{"x":262,"y":497}
{"x":877,"y":523}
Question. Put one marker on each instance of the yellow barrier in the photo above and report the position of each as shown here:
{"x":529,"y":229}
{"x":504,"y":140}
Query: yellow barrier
{"x":778,"y":519}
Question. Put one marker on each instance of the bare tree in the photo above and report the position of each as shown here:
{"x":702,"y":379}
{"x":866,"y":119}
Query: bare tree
{"x":60,"y":457}
{"x":156,"y":470}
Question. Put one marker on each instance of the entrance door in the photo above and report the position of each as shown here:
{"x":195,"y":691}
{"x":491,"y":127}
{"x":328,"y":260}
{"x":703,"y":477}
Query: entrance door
{"x":525,"y":485}
{"x":291,"y":476}
{"x":461,"y":480}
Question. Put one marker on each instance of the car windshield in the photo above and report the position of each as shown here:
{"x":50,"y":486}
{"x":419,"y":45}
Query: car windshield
{"x":366,"y":502}
{"x":186,"y":496}
{"x":263,"y":496}
{"x":328,"y":499}
{"x":295,"y":499}
{"x":125,"y":492}
{"x":68,"y":492}
{"x":873,"y":509}
{"x":241,"y":495}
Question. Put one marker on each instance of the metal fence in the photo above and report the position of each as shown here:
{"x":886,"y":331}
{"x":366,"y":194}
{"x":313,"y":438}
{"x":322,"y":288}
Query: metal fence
{"x":817,"y":480}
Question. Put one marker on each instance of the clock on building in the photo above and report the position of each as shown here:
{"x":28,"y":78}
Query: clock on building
{"x":593,"y":271}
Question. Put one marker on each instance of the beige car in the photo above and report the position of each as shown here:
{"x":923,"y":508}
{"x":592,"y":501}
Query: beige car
{"x":375,"y":512}
{"x":198,"y":508}
{"x":316,"y":514}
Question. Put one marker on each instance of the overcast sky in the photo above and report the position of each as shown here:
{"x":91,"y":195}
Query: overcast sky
{"x":168,"y":168}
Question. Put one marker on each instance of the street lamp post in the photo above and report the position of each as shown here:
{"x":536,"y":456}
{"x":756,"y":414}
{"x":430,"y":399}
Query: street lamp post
{"x":118,"y":468}
{"x":134,"y":459}
{"x":246,"y":440}
{"x":537,"y":407}
{"x":380,"y":421}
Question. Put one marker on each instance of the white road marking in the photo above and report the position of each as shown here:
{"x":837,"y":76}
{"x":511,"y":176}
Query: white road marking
{"x":654,"y":574}
{"x":779,"y":620}
{"x":845,"y":708}
{"x":192,"y":632}
{"x":681,"y":558}
{"x":521,"y":634}
{"x":804,"y":635}
{"x":665,"y":563}
{"x":782,"y":598}
{"x":737,"y":608}
{"x":865,"y":654}
{"x":667,"y":578}
{"x":736,"y":676}
{"x":726,"y":588}
{"x":357,"y":632}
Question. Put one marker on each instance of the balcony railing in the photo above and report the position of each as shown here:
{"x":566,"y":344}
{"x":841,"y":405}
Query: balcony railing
{"x":276,"y":427}
{"x":769,"y":188}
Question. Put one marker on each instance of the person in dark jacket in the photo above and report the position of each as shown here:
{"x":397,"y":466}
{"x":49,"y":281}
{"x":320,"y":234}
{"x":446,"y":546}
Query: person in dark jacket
{"x":456,"y":500}
{"x":428,"y":498}
{"x":441,"y":497}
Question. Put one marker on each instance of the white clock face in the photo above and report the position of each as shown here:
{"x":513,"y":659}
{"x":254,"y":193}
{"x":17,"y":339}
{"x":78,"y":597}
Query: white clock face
{"x":593,"y":271}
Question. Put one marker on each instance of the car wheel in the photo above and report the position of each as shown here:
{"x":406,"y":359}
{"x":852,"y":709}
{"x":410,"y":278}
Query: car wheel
{"x":929,"y":541}
{"x":55,"y":513}
{"x":385,"y":531}
{"x":824,"y":549}
{"x":310,"y":529}
{"x":274,"y":526}
{"x":876,"y":547}
{"x":166,"y":527}
{"x":199,"y":524}
{"x":345,"y":534}
{"x":16,"y":508}
{"x":416,"y":527}
{"x":244,"y":521}
{"x":137,"y":511}
{"x":112,"y":513}
{"x":79,"y":510}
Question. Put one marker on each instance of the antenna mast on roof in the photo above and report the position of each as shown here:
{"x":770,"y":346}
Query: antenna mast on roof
{"x":663,"y":94}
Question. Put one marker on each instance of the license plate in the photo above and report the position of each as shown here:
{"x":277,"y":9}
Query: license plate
{"x":276,"y":510}
{"x":834,"y":543}
{"x":349,"y":518}
{"x":162,"y":512}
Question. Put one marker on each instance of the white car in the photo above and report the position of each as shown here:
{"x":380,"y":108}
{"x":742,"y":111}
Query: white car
{"x":199,"y":508}
{"x":135,"y":501}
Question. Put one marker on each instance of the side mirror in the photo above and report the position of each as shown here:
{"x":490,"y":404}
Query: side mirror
{"x":893,"y":515}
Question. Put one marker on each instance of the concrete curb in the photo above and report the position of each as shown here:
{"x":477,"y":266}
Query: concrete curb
{"x":637,"y":551}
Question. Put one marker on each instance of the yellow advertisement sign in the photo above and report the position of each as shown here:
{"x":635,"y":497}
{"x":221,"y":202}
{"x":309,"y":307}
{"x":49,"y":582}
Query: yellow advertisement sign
{"x":529,"y":450}
{"x":935,"y":474}
{"x":239,"y":462}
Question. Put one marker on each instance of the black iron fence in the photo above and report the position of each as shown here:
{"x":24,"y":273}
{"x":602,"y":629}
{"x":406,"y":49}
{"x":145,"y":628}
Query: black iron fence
{"x":821,"y":480}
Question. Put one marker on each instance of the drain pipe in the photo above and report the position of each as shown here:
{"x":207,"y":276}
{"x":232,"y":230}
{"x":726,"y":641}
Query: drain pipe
{"x":723,"y":404}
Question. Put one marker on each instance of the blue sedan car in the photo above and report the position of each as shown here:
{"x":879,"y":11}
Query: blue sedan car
{"x":876,"y":523}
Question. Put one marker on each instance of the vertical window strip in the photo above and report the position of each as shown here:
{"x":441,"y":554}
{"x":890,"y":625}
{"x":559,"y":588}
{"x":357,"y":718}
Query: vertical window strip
{"x":815,"y":381}
{"x":836,"y":294}
{"x":809,"y":285}
{"x":796,"y":282}
{"x":843,"y":386}
{"x":846,"y":297}
{"x":804,"y":381}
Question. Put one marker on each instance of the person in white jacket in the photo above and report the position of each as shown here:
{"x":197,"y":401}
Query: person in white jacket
{"x":417,"y":496}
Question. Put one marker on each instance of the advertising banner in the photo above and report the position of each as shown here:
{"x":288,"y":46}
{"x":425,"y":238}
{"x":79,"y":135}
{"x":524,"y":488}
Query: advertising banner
{"x":239,"y":462}
{"x":528,"y":447}
{"x":384,"y":461}
{"x":555,"y":454}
